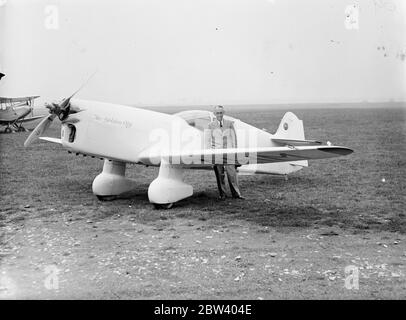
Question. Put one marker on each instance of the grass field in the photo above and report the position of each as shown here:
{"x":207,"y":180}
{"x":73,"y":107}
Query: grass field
{"x":288,"y":239}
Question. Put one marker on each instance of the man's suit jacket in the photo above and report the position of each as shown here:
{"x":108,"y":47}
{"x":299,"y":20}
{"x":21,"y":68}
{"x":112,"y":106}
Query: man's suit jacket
{"x":221,"y":136}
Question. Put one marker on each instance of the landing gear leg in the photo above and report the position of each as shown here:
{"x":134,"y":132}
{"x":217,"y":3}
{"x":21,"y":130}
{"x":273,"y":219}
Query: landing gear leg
{"x":21,"y":129}
{"x":111,"y":183}
{"x":168,"y":187}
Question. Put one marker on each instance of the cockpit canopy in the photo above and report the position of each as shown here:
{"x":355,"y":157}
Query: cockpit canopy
{"x":198,"y":119}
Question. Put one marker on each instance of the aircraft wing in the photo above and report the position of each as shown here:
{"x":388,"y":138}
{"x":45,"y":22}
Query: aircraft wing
{"x":244,"y":156}
{"x":53,"y":140}
{"x":19,"y":99}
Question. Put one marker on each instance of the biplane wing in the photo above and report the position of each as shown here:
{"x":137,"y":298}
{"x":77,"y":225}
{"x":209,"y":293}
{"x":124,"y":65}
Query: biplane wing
{"x":18,"y":99}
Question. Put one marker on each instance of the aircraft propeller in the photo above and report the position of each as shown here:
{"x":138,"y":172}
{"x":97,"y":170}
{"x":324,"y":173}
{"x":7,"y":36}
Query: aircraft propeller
{"x":60,"y":110}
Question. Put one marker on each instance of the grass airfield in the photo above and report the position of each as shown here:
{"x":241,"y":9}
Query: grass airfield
{"x":288,"y":240}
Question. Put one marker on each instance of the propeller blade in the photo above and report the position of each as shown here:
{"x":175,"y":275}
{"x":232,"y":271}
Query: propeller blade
{"x":61,"y":110}
{"x":66,"y":101}
{"x":39,"y":129}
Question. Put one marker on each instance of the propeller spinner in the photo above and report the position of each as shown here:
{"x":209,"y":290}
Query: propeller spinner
{"x":60,"y":110}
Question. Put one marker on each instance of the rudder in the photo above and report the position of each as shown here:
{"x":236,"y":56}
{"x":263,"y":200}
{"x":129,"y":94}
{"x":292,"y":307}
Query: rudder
{"x":290,"y":127}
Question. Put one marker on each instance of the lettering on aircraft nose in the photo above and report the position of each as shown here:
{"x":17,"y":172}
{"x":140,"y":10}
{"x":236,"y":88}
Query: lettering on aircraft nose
{"x":111,"y":120}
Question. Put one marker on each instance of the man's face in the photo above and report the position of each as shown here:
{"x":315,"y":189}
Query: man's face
{"x":219,"y":113}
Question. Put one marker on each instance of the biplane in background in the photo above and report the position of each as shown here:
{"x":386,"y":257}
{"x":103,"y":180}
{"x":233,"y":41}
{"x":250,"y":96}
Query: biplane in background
{"x":16,"y":111}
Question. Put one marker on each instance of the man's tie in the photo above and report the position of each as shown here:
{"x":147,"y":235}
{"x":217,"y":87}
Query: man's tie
{"x":221,"y":124}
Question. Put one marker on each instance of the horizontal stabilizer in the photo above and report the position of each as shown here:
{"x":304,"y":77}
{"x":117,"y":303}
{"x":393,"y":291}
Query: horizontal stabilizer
{"x":49,"y":139}
{"x":294,"y":142}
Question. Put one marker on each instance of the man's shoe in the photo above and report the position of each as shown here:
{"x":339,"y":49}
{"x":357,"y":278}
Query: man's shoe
{"x":222,"y":197}
{"x":240,"y":197}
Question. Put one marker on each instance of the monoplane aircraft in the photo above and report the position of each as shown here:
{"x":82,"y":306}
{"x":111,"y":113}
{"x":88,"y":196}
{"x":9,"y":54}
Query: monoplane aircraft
{"x":121,"y":134}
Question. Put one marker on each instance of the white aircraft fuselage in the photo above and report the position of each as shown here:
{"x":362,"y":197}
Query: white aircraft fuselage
{"x":123,"y":134}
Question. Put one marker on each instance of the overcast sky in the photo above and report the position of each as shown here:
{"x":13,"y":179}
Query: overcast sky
{"x":194,"y":52}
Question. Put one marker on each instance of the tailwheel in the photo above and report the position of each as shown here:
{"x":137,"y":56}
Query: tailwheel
{"x":165,"y":206}
{"x":106,"y":198}
{"x":8,"y":130}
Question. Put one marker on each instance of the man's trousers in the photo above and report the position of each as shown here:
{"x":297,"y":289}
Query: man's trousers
{"x":232,"y":177}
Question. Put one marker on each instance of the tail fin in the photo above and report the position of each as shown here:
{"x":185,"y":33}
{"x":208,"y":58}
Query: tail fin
{"x":290,"y":128}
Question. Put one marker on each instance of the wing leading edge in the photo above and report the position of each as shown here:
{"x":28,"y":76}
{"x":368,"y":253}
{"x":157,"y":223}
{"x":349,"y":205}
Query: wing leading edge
{"x":243,"y":156}
{"x":49,"y":139}
{"x":19,"y":99}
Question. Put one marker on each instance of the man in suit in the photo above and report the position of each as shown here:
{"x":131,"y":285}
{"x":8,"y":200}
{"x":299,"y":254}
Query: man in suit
{"x":221,"y":134}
